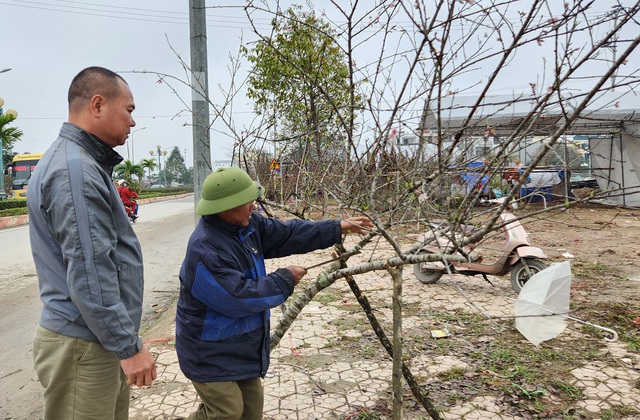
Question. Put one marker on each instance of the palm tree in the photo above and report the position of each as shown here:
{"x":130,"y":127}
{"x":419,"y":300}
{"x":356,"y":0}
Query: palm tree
{"x":149,"y":164}
{"x":127,"y":169}
{"x":8,"y":135}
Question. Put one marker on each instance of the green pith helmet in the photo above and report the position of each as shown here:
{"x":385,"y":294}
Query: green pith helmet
{"x":226,"y":189}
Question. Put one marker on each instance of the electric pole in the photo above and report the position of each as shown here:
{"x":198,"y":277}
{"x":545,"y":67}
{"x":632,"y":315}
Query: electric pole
{"x":199,"y":96}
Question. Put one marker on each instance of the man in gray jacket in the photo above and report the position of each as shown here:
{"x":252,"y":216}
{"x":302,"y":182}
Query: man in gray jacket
{"x":89,"y":263}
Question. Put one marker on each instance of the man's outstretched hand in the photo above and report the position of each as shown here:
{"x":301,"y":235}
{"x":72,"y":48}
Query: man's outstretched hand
{"x":359,"y":224}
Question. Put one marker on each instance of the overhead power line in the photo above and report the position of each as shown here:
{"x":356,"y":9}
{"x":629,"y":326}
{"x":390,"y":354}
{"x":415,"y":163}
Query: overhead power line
{"x":132,"y":13}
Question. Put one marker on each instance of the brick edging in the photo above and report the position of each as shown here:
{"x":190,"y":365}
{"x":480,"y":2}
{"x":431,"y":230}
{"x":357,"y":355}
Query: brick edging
{"x":13,"y":221}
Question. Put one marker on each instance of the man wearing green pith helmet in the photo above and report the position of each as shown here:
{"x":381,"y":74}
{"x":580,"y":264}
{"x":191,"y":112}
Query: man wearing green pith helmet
{"x":222,"y":320}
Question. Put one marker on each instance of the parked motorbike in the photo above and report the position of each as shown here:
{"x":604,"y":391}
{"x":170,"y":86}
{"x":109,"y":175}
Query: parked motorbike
{"x":517,"y":257}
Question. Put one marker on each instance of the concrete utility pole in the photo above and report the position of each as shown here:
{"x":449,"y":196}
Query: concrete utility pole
{"x":199,"y":95}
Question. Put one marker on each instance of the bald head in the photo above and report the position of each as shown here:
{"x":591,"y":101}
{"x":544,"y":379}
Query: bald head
{"x":93,"y":81}
{"x":101,"y":103}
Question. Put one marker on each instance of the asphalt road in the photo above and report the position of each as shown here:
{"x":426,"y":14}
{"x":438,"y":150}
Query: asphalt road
{"x":163,"y":229}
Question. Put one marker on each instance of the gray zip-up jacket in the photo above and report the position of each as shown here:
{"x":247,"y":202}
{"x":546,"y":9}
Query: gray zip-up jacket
{"x":87,"y":256}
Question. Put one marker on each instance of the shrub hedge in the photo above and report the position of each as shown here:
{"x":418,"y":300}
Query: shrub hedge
{"x":17,"y":207}
{"x":12,"y":204}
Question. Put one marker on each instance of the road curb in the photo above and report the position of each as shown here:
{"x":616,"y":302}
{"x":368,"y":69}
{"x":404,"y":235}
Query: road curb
{"x":12,"y":221}
{"x":23,"y":219}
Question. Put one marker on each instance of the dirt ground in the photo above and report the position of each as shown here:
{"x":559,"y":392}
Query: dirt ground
{"x":528,"y":382}
{"x":602,"y":242}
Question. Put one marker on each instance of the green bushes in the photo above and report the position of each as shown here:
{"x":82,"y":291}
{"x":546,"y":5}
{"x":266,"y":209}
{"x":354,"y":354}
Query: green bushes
{"x":158,"y":192}
{"x":13,"y":204}
{"x":13,"y":212}
{"x":15,"y":207}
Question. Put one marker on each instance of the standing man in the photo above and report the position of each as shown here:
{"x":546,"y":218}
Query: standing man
{"x":86,"y":348}
{"x":222,"y":320}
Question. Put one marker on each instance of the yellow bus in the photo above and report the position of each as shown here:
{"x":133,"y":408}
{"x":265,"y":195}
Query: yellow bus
{"x":21,"y":168}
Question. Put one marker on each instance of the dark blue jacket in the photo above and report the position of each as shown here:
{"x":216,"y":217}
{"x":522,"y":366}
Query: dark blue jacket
{"x":222,"y":320}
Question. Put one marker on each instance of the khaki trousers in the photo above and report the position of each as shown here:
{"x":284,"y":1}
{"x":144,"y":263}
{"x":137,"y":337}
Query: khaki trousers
{"x":81,"y":379}
{"x":239,"y":400}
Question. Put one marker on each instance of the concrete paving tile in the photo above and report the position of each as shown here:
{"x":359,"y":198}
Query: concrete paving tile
{"x":603,"y":387}
{"x":378,"y":386}
{"x":327,"y":377}
{"x":477,"y":415}
{"x":366,"y":398}
{"x":184,"y":411}
{"x":316,"y":342}
{"x":602,"y":394}
{"x":615,"y":398}
{"x":611,"y":371}
{"x":585,"y":383}
{"x":592,"y":406}
{"x":630,"y":400}
{"x":297,"y":402}
{"x":280,"y":415}
{"x":331,"y":402}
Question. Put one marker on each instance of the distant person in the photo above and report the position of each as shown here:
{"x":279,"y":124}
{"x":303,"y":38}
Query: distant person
{"x":86,"y":350}
{"x":128,"y":197}
{"x":222,"y":320}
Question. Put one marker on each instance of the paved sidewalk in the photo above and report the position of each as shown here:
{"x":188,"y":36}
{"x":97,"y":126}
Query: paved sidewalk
{"x":308,"y":380}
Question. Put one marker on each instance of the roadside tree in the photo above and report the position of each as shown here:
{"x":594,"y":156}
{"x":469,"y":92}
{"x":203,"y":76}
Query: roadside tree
{"x":174,"y":167}
{"x":300,"y":82}
{"x":149,"y":164}
{"x":127,"y":170}
{"x":9,"y":136}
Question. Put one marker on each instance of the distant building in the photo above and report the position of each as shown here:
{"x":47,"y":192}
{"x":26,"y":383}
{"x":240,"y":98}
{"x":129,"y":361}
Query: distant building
{"x":225,"y":163}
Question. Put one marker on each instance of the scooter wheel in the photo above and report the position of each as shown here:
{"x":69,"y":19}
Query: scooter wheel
{"x":425,"y":274}
{"x":519,"y":274}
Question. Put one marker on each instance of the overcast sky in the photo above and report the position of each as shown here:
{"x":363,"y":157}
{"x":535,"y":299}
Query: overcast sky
{"x":46,"y":43}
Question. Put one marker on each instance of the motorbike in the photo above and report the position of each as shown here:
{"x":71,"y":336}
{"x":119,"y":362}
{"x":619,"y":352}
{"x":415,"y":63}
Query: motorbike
{"x":131,"y":210}
{"x":517,"y":257}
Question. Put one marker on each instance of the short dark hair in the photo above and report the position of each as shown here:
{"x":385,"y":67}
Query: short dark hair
{"x":93,"y":81}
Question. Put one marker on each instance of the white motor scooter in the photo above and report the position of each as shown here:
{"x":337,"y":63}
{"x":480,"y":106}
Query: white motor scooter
{"x":517,"y":257}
